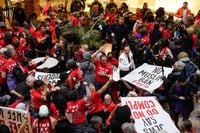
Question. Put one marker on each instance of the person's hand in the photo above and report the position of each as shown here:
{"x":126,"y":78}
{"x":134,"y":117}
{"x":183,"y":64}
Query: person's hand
{"x":102,"y":74}
{"x":181,"y":98}
{"x":101,"y":49}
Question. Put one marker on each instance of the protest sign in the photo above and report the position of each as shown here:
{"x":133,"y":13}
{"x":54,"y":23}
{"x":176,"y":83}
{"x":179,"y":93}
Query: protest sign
{"x":107,"y":48}
{"x":149,"y":116}
{"x":49,"y":62}
{"x":116,"y":76}
{"x":147,"y":77}
{"x":14,"y":118}
{"x":52,"y":78}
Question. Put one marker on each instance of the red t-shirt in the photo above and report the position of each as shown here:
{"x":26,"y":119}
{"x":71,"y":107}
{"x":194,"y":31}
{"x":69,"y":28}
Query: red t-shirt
{"x":32,"y":31}
{"x":107,"y":69}
{"x":54,"y":111}
{"x":35,"y":99}
{"x":45,"y":126}
{"x":110,"y":107}
{"x":77,"y":110}
{"x":18,"y":31}
{"x":95,"y":103}
{"x":113,"y":61}
{"x":75,"y":75}
{"x":2,"y":62}
{"x":8,"y":66}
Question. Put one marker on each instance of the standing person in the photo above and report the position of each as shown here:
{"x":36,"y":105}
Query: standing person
{"x":144,"y":9}
{"x":76,"y":108}
{"x":183,"y":12}
{"x":181,"y":94}
{"x":126,"y":65}
{"x":19,"y":14}
{"x":88,"y":68}
{"x":7,"y":71}
{"x":111,"y":5}
{"x":119,"y":32}
{"x":38,"y":97}
{"x":95,"y":104}
{"x":43,"y":41}
{"x":103,"y":70}
{"x":96,"y":9}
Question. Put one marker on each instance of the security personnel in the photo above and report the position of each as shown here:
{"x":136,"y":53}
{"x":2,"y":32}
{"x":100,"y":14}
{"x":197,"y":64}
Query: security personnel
{"x":126,"y":62}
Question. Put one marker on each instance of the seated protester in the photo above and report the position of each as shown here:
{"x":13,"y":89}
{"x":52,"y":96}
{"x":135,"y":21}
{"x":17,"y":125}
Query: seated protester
{"x":103,"y":70}
{"x":76,"y":108}
{"x":95,"y":105}
{"x":75,"y":74}
{"x":44,"y":123}
{"x":87,"y":67}
{"x":165,"y":56}
{"x":95,"y":125}
{"x":16,"y":28}
{"x":181,"y":96}
{"x":109,"y":104}
{"x":190,"y":68}
{"x":128,"y":128}
{"x":38,"y":97}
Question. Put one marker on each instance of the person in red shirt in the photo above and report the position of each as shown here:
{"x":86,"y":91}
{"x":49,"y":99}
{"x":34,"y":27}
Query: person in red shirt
{"x":7,"y":69}
{"x":16,"y":28}
{"x":103,"y":70}
{"x":44,"y":123}
{"x":95,"y":105}
{"x":43,"y":41}
{"x":38,"y":97}
{"x":109,"y":104}
{"x":76,"y":73}
{"x":76,"y":108}
{"x":111,"y":60}
{"x":2,"y":61}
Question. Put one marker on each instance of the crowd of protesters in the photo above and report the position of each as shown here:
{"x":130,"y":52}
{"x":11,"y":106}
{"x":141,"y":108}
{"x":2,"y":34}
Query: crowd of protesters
{"x":86,"y":99}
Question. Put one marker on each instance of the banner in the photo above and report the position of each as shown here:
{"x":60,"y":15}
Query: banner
{"x":149,"y":116}
{"x":147,"y":77}
{"x":14,"y":118}
{"x":52,"y":78}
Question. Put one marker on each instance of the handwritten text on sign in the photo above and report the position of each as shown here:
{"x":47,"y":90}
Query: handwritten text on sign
{"x":14,"y":118}
{"x":52,"y":78}
{"x":149,"y":116}
{"x":147,"y":77}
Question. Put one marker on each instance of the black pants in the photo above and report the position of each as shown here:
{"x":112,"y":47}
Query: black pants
{"x":123,"y":89}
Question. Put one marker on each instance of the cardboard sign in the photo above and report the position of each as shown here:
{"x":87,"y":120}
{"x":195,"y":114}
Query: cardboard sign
{"x":147,"y":77}
{"x":107,"y":48}
{"x":149,"y":116}
{"x":14,"y":118}
{"x":52,"y":78}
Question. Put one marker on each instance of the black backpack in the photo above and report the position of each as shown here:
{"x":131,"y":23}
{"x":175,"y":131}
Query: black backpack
{"x":18,"y":73}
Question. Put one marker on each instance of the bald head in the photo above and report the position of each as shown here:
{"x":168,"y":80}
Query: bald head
{"x":107,"y":99}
